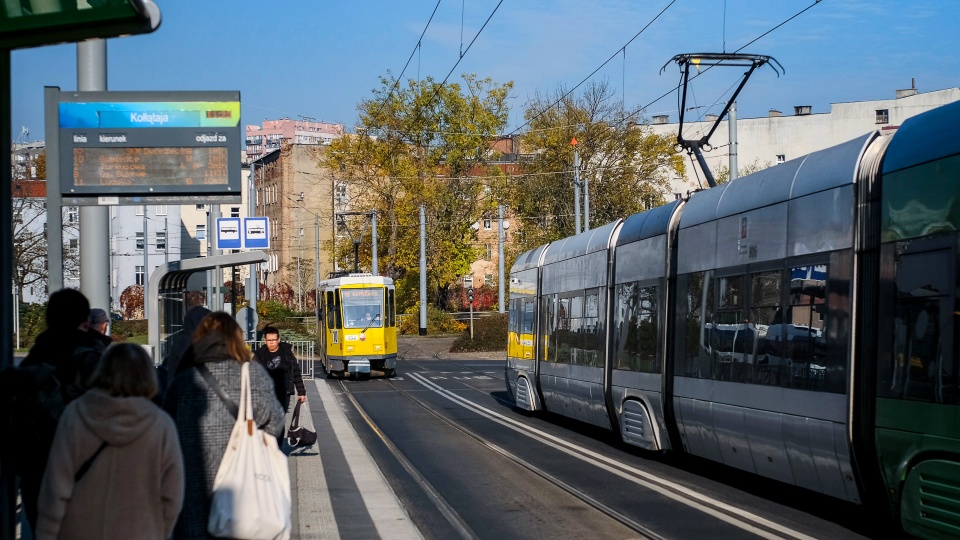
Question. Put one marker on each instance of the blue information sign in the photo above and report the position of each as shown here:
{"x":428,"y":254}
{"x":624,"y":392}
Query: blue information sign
{"x":228,"y":233}
{"x":256,"y":233}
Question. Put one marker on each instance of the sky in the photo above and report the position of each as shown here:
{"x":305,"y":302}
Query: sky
{"x":319,"y":58}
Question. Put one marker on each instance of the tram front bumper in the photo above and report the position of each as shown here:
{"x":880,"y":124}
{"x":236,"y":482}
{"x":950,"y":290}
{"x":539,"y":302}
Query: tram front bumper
{"x":358,"y":366}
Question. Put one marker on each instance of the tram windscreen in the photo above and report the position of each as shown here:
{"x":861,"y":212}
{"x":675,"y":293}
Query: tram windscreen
{"x":362,"y":308}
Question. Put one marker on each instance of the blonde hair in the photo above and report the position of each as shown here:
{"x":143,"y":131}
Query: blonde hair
{"x":125,"y":370}
{"x":226,"y":328}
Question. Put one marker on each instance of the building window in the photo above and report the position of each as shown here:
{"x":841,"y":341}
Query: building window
{"x":488,"y":252}
{"x":201,"y":207}
{"x":883,"y":116}
{"x":487,"y":224}
{"x":235,"y":211}
{"x":781,"y":158}
{"x":138,"y":270}
{"x":489,"y":280}
{"x":141,"y":209}
{"x":72,"y":215}
{"x":161,"y":241}
{"x":74,"y":243}
{"x":201,"y":232}
{"x":161,"y":209}
{"x":140,"y":240}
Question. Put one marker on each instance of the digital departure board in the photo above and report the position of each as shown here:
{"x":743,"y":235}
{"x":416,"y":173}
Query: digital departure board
{"x":113,"y":167}
{"x":134,"y":146}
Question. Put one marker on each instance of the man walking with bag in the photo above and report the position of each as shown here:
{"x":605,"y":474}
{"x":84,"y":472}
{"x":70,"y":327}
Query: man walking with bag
{"x":283,"y":367}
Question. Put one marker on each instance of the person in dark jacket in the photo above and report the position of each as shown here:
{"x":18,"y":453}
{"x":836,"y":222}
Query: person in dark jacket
{"x":70,"y":349}
{"x":204,"y":422}
{"x":277,"y":357}
{"x":176,"y":349}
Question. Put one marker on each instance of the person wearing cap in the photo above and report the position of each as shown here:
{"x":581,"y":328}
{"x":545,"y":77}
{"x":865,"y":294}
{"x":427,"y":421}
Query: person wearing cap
{"x":98,"y":323}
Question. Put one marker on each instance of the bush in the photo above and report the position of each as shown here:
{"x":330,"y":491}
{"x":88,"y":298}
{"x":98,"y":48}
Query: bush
{"x":489,"y":334}
{"x":122,"y":330}
{"x":438,"y":322}
{"x":273,"y":310}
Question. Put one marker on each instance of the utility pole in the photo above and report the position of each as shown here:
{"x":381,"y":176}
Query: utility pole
{"x":732,"y":127}
{"x":373,"y":224}
{"x":94,"y":220}
{"x":423,"y":271}
{"x":253,"y":283}
{"x":146,"y":260}
{"x":500,"y":226}
{"x":576,"y":186}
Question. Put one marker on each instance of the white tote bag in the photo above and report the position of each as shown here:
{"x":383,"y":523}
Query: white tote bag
{"x":251,"y":493}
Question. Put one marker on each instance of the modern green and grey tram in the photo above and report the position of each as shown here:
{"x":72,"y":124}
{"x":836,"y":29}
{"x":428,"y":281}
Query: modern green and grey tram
{"x":799,"y":323}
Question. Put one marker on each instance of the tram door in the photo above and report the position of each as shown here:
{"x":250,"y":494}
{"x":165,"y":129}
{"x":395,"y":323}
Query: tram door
{"x":924,"y":329}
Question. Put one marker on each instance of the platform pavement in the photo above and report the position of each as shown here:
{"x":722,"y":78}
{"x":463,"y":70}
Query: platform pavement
{"x":339,"y":492}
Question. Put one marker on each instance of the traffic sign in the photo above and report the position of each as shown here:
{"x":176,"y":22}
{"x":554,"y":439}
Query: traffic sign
{"x":256,"y":233}
{"x":228,"y":233}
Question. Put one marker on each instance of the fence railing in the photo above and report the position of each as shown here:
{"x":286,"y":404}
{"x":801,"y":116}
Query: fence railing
{"x":305,"y":351}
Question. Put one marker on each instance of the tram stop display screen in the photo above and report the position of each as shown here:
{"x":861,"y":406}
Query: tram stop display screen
{"x":149,"y":143}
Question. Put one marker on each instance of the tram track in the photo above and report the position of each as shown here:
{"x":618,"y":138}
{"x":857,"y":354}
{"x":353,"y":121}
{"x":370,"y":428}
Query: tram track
{"x":448,"y":512}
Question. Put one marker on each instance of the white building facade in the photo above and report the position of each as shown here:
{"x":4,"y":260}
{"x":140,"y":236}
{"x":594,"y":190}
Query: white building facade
{"x":762,"y":142}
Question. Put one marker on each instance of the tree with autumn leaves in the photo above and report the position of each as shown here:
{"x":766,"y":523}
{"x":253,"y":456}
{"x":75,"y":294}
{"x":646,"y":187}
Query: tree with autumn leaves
{"x":424,"y":143}
{"x":431,"y":144}
{"x":627,"y":166}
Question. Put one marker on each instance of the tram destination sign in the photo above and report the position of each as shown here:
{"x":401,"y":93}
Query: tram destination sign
{"x":149,"y":147}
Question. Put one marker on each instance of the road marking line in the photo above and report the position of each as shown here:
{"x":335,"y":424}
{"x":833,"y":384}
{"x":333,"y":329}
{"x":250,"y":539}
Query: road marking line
{"x":689,"y":497}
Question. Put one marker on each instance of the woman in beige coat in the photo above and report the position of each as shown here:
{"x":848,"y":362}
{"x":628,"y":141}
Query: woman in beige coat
{"x":115,"y":469}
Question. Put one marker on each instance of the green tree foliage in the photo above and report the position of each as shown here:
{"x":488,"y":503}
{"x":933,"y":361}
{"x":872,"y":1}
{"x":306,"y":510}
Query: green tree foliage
{"x":423,"y":143}
{"x":628,"y":166}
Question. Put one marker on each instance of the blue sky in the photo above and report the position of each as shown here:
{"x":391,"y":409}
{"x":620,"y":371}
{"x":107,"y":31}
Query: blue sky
{"x":318,"y":58}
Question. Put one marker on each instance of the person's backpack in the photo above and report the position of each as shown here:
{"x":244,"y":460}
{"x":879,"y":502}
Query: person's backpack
{"x":31,"y":403}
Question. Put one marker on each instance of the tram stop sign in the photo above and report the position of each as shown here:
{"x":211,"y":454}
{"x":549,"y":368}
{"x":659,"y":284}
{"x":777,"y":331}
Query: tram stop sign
{"x":470,"y":294}
{"x":32,"y":24}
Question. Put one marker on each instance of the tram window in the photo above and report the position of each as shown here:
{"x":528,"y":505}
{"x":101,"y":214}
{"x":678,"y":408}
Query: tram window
{"x":804,"y":332}
{"x":514,"y":313}
{"x":766,"y":323}
{"x":528,"y":305}
{"x":362,"y":307}
{"x":697,"y":307}
{"x":391,"y":308}
{"x":333,"y":311}
{"x":635,"y":333}
{"x":549,"y":328}
{"x":591,"y":341}
{"x":730,"y":331}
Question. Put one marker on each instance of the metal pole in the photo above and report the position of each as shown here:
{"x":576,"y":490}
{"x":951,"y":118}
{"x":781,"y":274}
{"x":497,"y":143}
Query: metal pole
{"x":471,"y":319}
{"x":299,"y":274}
{"x":500,"y":307}
{"x":166,"y":241}
{"x":586,"y":200}
{"x":253,"y":289}
{"x":217,"y":272}
{"x":732,"y":121}
{"x":51,"y":98}
{"x":8,"y":481}
{"x":209,"y":240}
{"x":373,"y":219}
{"x":316,"y":267}
{"x":576,"y":189}
{"x":94,"y":220}
{"x":146,"y":260}
{"x":423,"y":271}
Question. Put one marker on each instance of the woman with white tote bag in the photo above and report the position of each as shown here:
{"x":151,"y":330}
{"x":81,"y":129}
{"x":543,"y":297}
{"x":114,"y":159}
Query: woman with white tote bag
{"x":204,"y":402}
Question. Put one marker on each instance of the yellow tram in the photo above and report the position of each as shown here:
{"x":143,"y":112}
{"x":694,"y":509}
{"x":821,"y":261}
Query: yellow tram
{"x":358,"y":316}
